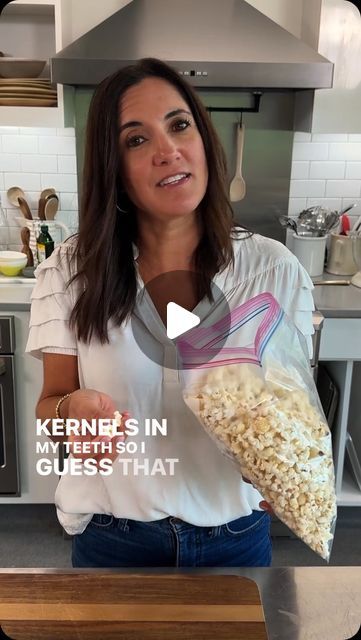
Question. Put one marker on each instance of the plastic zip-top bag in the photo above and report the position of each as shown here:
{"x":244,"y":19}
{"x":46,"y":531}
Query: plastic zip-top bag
{"x":257,"y":399}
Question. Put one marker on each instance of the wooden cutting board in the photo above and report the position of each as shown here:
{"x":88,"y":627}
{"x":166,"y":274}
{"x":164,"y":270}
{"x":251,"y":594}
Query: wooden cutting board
{"x":77,"y":606}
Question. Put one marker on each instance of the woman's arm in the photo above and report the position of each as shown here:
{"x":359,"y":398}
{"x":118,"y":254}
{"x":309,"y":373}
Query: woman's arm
{"x":60,"y":378}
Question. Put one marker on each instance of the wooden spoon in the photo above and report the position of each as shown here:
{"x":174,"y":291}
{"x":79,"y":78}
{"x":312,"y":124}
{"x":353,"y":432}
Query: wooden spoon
{"x":237,"y":189}
{"x":41,"y":208}
{"x":24,"y":208}
{"x":51,"y":207}
{"x":25,"y":237}
{"x":13,"y":194}
{"x":47,"y":192}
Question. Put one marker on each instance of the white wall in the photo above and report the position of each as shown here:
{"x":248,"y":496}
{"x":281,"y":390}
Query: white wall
{"x":79,"y":16}
{"x":287,"y":13}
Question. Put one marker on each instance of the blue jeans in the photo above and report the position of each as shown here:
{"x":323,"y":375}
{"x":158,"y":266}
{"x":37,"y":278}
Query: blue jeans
{"x":118,"y":542}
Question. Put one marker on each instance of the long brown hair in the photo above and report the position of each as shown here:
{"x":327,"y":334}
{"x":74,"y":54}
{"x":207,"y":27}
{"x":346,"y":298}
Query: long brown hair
{"x":104,"y":254}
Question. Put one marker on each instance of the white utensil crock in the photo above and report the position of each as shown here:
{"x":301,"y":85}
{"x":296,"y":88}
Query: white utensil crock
{"x":310,"y":252}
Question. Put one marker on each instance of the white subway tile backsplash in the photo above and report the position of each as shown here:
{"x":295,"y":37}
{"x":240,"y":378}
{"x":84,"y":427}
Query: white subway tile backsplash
{"x":69,"y":131}
{"x":67,"y":164}
{"x":60,"y":181}
{"x":40,"y":164}
{"x":345,"y":151}
{"x":19,"y":144}
{"x":330,"y":203}
{"x":339,"y":170}
{"x":343,"y":188}
{"x":301,"y":136}
{"x":327,"y":170}
{"x":69,"y":201}
{"x":329,"y":137}
{"x":353,"y":170}
{"x":60,"y":145}
{"x":9,"y":130}
{"x":12,"y":214}
{"x":26,"y":181}
{"x":310,"y":151}
{"x":10,"y":162}
{"x":70,"y":218}
{"x":300,"y":170}
{"x":38,"y":131}
{"x":296,"y":205}
{"x":307,"y":188}
{"x":14,"y":235}
{"x":356,"y":211}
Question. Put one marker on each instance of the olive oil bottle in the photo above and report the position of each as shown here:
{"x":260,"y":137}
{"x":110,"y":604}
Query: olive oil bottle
{"x":44,"y":243}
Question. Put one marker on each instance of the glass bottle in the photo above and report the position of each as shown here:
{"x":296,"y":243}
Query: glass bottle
{"x":4,"y":230}
{"x":44,"y":243}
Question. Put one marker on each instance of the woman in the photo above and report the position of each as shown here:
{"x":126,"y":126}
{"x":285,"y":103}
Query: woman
{"x":154,"y":201}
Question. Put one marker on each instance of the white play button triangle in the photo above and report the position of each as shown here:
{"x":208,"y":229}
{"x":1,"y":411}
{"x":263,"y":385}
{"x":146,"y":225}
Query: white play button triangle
{"x":179,"y":320}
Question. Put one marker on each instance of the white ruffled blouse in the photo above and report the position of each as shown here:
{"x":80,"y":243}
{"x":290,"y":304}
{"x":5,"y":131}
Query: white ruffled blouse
{"x":206,"y":489}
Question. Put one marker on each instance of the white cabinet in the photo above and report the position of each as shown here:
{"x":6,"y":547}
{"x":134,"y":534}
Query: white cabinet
{"x":34,"y":29}
{"x":337,"y":110}
{"x":341,"y":349}
{"x":28,"y":381}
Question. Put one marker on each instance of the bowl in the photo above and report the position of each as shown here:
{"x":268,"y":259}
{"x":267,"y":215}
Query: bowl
{"x":12,"y":262}
{"x":20,"y":67}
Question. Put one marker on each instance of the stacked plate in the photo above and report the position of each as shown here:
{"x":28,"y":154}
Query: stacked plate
{"x":27,"y":92}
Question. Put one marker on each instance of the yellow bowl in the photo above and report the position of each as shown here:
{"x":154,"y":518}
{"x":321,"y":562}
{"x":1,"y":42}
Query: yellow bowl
{"x":12,"y":262}
{"x":11,"y":270}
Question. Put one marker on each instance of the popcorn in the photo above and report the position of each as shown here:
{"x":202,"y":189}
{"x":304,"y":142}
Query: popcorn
{"x":112,"y":429}
{"x":279,"y":441}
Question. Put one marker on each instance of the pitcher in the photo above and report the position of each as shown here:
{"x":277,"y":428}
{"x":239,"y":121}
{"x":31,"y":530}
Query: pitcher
{"x":58,"y":231}
{"x":340,"y":257}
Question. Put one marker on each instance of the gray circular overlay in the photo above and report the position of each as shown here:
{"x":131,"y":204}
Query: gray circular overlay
{"x":195,"y":346}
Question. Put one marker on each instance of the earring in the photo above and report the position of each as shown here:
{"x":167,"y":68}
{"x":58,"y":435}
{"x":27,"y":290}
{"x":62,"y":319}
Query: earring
{"x":121,"y":210}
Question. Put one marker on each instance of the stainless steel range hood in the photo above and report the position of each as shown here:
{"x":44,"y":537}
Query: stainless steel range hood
{"x":216,"y":43}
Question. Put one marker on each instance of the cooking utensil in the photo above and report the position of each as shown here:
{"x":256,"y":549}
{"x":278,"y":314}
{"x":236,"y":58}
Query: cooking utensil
{"x":41,"y":208}
{"x":237,"y":189}
{"x":345,"y":225}
{"x":320,"y":220}
{"x":13,"y":194}
{"x":24,"y":208}
{"x":357,"y":225}
{"x":47,"y":192}
{"x":340,"y":283}
{"x":25,"y":237}
{"x":285,"y":221}
{"x":51,"y":207}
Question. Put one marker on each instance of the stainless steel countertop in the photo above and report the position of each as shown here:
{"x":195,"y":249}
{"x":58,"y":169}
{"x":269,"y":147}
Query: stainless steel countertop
{"x":331,"y":301}
{"x":300,"y":603}
{"x":335,"y":301}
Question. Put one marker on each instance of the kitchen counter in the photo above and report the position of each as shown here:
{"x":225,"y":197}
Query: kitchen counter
{"x":337,"y":301}
{"x":331,"y":301}
{"x":301,"y":603}
{"x":15,"y":293}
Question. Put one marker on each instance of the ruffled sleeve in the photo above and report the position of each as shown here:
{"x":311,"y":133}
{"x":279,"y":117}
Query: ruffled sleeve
{"x":293,"y":291}
{"x":263,"y":264}
{"x":51,"y":304}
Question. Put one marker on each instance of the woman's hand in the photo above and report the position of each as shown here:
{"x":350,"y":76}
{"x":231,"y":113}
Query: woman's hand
{"x":265,"y":506}
{"x":88,"y":404}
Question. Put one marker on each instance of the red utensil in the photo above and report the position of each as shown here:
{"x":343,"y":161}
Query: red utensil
{"x":345,"y":224}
